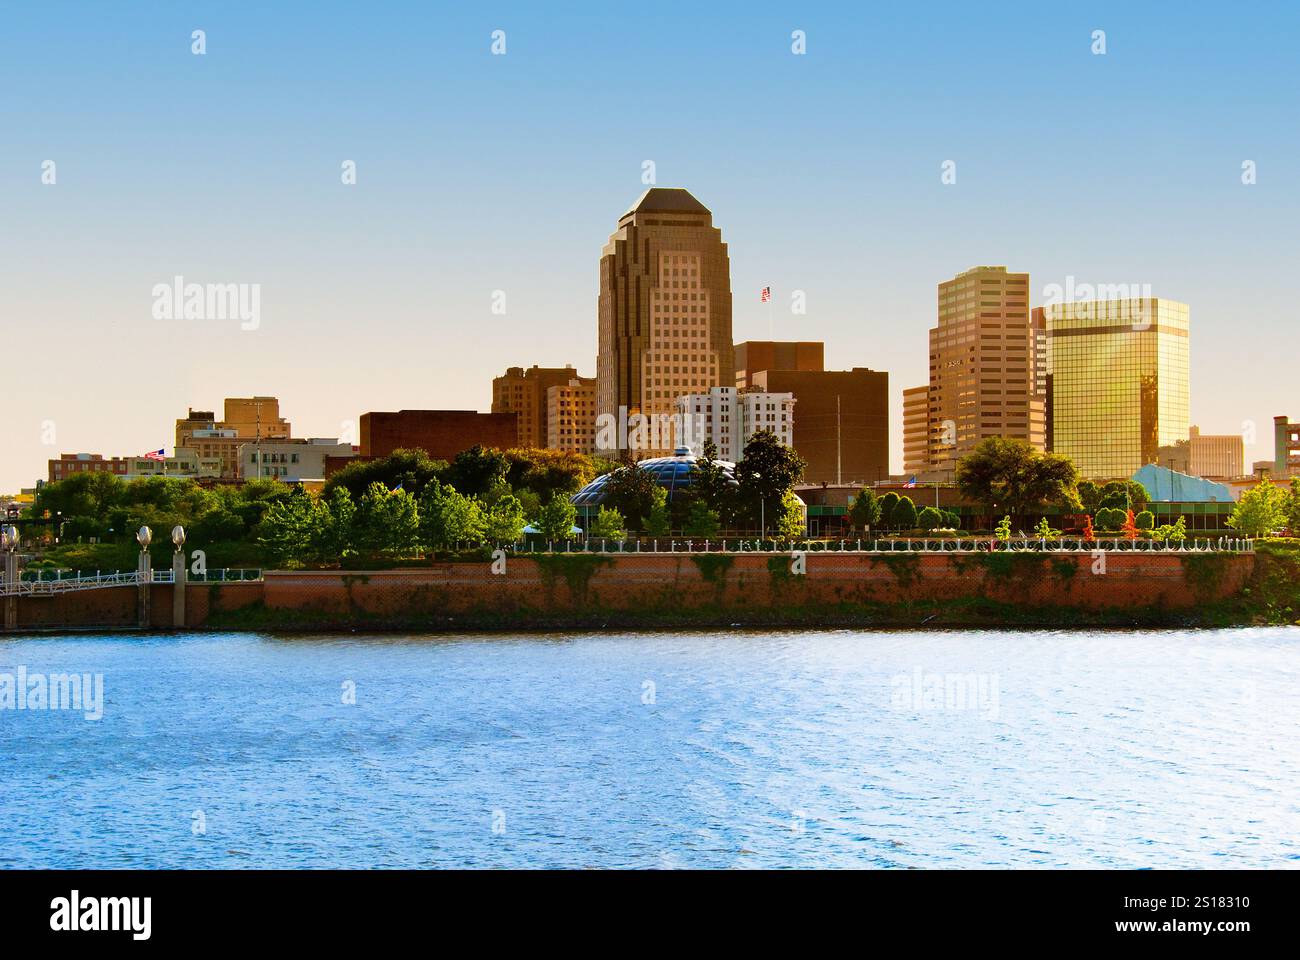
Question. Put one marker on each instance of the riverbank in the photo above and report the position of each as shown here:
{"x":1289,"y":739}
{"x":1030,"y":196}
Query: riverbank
{"x":676,"y":591}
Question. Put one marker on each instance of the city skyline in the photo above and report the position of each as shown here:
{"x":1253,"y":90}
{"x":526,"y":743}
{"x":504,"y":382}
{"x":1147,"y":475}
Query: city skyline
{"x":825,"y":174}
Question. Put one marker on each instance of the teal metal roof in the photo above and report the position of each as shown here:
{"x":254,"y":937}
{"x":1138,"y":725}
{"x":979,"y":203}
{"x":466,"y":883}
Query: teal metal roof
{"x":1167,"y":485}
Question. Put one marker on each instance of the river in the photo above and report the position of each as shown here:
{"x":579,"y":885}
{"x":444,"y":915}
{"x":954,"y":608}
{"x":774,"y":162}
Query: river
{"x":661,"y":750}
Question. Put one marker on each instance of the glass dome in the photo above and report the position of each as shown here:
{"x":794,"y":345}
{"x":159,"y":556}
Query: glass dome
{"x":672,"y":473}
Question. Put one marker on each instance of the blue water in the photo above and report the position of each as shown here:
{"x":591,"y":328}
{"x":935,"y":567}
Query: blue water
{"x":732,"y":749}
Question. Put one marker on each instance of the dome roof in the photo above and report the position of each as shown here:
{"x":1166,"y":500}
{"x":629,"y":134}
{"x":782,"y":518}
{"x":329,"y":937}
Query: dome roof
{"x":672,"y":473}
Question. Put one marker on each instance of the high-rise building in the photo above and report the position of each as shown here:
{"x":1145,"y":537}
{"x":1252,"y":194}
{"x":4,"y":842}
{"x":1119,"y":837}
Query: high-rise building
{"x":729,"y":417}
{"x":916,"y":429}
{"x":524,"y":392}
{"x":664,"y":313}
{"x":755,"y":355}
{"x":1120,"y":389}
{"x":571,"y":416}
{"x":842,"y":427}
{"x":1220,"y":456}
{"x":982,"y":365}
{"x":1042,"y":376}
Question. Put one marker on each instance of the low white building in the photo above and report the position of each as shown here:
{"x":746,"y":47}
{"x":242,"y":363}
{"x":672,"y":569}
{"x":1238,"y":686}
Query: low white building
{"x":290,"y":460}
{"x":730,"y":417}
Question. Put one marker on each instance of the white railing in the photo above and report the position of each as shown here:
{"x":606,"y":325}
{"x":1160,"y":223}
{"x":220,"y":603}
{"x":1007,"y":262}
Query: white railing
{"x":39,"y":588}
{"x":890,"y":545}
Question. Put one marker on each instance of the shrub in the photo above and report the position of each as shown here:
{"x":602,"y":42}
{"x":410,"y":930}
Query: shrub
{"x":929,"y":518}
{"x":1146,"y":520}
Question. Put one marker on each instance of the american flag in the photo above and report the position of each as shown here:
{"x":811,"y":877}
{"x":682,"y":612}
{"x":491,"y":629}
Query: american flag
{"x":766,"y":295}
{"x":912,"y":482}
{"x":155,"y":454}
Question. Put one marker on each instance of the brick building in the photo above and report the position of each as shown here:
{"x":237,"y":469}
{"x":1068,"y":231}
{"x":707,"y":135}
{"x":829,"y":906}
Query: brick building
{"x":755,"y":355}
{"x":525,"y":392}
{"x":841,"y":421}
{"x":441,"y":433}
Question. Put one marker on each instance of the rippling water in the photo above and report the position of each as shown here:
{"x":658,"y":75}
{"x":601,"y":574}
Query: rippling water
{"x":738,"y":749}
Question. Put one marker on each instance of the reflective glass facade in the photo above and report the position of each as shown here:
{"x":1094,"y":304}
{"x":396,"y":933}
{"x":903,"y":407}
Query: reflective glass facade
{"x":1119,"y":381}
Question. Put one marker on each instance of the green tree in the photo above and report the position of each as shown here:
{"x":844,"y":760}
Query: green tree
{"x":1003,"y":530}
{"x":711,"y":486}
{"x":608,"y":524}
{"x":864,"y":511}
{"x":929,"y":518}
{"x":285,"y":533}
{"x":1146,"y":520}
{"x":409,"y":469}
{"x":1291,"y":508}
{"x":887,"y":504}
{"x":1010,"y":473}
{"x":504,"y":521}
{"x":1259,"y":511}
{"x":631,"y":491}
{"x":791,"y":523}
{"x":657,"y":522}
{"x":448,"y":518}
{"x":1124,"y":494}
{"x":477,"y":470}
{"x":766,"y":473}
{"x":700,"y":520}
{"x":333,"y":533}
{"x":1110,"y":519}
{"x":387,"y":522}
{"x":904,"y":515}
{"x":1089,"y":492}
{"x":550,"y":472}
{"x":555,"y":522}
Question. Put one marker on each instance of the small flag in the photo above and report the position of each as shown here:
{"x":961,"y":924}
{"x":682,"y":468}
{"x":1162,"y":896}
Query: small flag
{"x":398,"y":487}
{"x":155,"y":454}
{"x":766,"y":295}
{"x":912,"y":482}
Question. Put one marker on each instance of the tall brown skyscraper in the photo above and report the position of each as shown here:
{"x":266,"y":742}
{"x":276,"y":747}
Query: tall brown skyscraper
{"x":664,"y":313}
{"x":983,"y":381}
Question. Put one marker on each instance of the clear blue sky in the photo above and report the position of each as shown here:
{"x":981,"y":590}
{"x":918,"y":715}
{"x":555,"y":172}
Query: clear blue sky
{"x":479,"y":173}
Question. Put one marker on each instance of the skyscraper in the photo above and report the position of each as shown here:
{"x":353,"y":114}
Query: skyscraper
{"x":982,"y":377}
{"x":664,"y":315}
{"x":1119,"y":381}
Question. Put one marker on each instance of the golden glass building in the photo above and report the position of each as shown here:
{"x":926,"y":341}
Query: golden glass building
{"x":664,"y":312}
{"x":1119,"y":382}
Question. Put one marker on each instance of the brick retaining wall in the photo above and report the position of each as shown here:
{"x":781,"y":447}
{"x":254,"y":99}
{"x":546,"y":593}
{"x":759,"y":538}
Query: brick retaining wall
{"x":626,"y":587}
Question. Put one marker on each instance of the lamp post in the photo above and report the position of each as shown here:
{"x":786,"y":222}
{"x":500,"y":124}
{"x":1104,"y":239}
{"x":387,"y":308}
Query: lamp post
{"x":144,"y":576}
{"x":178,"y":576}
{"x":9,"y":542}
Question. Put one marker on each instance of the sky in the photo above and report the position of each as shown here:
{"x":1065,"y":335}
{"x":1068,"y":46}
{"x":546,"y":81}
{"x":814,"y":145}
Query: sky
{"x":479,"y":172}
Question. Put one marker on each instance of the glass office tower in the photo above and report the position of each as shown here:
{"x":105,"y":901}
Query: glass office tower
{"x":1119,"y":382}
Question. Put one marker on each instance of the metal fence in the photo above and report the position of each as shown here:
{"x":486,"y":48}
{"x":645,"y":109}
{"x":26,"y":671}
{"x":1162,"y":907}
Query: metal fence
{"x":890,"y":545}
{"x":44,"y":582}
